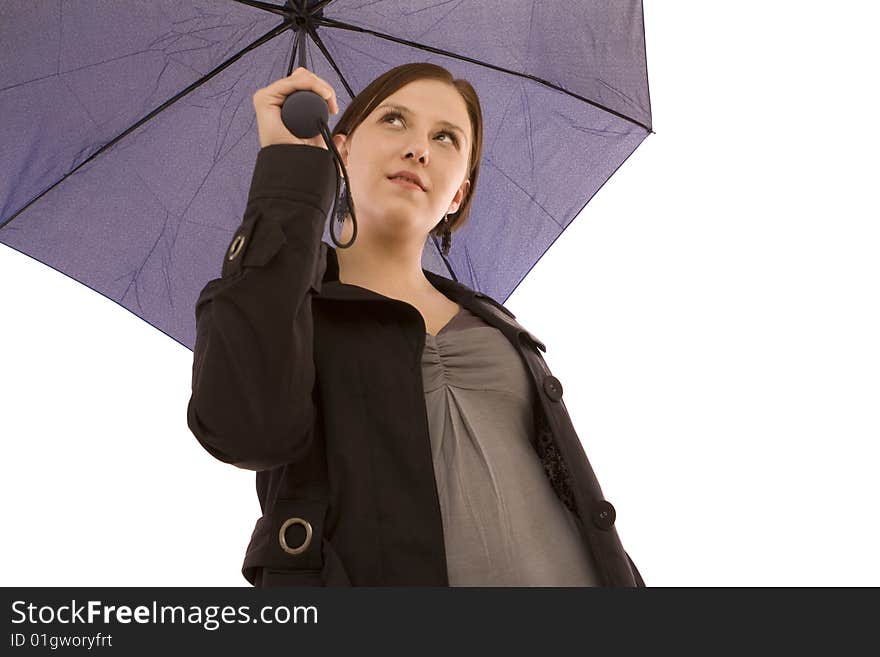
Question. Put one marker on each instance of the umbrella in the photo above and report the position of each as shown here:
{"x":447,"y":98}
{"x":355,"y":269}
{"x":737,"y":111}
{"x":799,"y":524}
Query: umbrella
{"x":129,"y":135}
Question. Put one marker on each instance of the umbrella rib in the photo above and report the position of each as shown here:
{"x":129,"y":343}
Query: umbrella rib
{"x":275,"y":9}
{"x":320,"y":43}
{"x":275,"y":31}
{"x":330,"y":22}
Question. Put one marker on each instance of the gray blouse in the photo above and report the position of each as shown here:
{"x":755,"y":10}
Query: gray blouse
{"x":503,"y":523}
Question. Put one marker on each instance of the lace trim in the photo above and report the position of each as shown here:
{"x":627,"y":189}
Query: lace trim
{"x":551,"y":459}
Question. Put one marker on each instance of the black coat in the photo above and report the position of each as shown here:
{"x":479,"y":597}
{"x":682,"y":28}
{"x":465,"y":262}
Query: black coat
{"x":316,"y":385}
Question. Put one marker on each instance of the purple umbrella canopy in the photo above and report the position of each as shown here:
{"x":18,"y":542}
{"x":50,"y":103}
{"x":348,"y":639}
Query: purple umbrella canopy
{"x":129,"y":134}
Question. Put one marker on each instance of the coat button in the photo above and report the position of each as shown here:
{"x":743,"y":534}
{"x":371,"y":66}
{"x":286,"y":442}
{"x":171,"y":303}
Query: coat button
{"x":603,"y":515}
{"x":553,"y":387}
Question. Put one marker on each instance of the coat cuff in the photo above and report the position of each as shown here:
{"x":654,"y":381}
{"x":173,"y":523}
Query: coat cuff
{"x":298,"y":172}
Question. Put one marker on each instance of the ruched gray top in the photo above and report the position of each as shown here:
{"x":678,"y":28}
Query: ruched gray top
{"x":503,"y":523}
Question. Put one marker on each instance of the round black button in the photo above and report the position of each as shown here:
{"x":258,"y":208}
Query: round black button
{"x":553,"y":387}
{"x":604,"y":515}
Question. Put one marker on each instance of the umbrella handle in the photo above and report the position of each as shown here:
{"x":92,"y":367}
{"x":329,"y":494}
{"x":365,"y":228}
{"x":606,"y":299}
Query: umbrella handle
{"x":305,"y":114}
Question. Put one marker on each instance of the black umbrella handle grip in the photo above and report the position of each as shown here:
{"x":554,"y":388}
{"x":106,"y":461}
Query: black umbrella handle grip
{"x":305,"y":114}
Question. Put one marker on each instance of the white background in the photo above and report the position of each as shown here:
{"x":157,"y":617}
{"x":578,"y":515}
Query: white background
{"x":721,"y":363}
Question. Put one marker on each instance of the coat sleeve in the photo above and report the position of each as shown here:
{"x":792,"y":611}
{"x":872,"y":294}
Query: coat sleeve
{"x":639,"y":581}
{"x":253,"y":372}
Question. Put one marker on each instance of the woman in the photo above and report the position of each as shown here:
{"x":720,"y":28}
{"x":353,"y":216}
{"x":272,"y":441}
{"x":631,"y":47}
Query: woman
{"x":389,"y":414}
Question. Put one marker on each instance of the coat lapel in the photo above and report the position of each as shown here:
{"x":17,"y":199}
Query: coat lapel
{"x":477,"y":302}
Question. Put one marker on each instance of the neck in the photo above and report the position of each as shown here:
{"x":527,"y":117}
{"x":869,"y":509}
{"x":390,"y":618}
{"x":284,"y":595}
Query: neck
{"x":391,"y":269}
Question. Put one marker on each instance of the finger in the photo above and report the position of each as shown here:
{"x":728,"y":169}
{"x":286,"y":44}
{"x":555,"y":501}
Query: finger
{"x":327,"y":92}
{"x":283,"y":87}
{"x":319,"y":86}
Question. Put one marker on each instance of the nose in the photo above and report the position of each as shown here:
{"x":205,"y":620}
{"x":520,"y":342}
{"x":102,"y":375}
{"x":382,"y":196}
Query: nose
{"x":419,"y":151}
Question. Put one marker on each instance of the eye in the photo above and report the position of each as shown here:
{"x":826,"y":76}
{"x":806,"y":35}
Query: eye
{"x":452,"y":136}
{"x":398,"y":115}
{"x":390,"y":114}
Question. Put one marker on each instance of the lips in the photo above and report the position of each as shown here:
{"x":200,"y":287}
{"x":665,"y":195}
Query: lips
{"x":408,"y":175}
{"x":403,"y":182}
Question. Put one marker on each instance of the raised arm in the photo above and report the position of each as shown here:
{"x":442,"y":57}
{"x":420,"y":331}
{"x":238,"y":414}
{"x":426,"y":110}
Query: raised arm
{"x":253,"y":371}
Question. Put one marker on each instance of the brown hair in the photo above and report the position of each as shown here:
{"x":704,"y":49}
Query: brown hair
{"x":389,"y":82}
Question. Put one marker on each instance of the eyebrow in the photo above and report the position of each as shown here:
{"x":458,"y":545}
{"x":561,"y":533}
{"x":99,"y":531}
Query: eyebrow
{"x":407,"y":110}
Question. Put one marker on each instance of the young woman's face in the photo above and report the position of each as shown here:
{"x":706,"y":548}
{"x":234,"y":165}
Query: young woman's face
{"x":412,"y":137}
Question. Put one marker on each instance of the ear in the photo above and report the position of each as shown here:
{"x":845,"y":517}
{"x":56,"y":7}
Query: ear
{"x":459,"y":197}
{"x":340,"y":141}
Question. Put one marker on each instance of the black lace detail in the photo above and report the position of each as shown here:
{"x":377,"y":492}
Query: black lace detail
{"x":551,"y":459}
